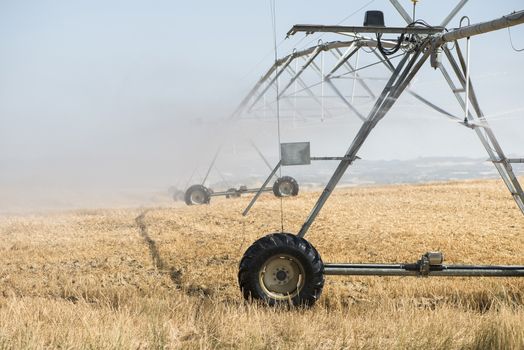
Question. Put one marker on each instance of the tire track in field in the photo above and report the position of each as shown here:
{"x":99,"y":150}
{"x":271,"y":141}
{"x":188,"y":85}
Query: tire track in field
{"x":174,"y":274}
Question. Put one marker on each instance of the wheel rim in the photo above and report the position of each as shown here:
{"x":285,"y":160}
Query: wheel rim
{"x":285,"y":188}
{"x":197,"y":197}
{"x":282,"y":277}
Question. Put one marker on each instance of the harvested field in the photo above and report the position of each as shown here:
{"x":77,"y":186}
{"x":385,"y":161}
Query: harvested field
{"x":166,"y":277}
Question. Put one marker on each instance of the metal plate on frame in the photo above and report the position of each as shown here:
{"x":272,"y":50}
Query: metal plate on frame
{"x":295,"y":153}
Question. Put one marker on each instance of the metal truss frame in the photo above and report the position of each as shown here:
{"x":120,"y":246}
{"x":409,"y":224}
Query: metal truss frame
{"x":429,"y":43}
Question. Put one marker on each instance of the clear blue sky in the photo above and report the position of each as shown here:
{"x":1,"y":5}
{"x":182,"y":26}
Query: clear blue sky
{"x":111,"y":85}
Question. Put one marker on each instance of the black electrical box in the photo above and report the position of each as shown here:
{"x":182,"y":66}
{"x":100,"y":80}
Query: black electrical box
{"x":374,"y":19}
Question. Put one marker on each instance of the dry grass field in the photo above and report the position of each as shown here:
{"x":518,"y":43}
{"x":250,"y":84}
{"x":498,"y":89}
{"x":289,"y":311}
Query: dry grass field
{"x":165,"y":277}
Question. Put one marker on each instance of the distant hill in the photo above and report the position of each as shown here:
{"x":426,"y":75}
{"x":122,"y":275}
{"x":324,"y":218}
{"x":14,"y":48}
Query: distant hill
{"x":379,"y":172}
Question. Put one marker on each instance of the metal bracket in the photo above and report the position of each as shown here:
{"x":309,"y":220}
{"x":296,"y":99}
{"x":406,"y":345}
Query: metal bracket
{"x":429,"y":260}
{"x":336,"y":158}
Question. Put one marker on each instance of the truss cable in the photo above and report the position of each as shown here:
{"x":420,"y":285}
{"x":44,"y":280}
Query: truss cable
{"x":354,"y":78}
{"x":466,"y":96}
{"x":272,"y":4}
{"x":348,"y":72}
{"x":511,"y":42}
{"x":295,"y":96}
{"x":322,"y":77}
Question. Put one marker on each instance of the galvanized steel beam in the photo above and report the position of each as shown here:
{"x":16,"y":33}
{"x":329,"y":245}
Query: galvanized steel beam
{"x":315,"y":28}
{"x":510,"y":20}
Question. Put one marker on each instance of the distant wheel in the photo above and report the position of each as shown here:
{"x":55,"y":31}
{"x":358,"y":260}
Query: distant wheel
{"x":232,"y":193}
{"x":285,"y":186}
{"x":178,"y":195}
{"x":196,"y":195}
{"x":282,"y":268}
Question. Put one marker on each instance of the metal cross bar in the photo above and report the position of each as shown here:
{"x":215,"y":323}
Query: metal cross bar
{"x":343,"y":58}
{"x":275,"y":78}
{"x":385,"y":59}
{"x":315,"y":28}
{"x":400,"y":9}
{"x":332,"y":158}
{"x":249,"y":190}
{"x":301,"y":70}
{"x":255,"y":197}
{"x":286,"y":60}
{"x":357,"y":77}
{"x":338,"y":93}
{"x":308,"y":51}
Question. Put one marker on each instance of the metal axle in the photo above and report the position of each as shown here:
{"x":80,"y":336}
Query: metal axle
{"x":430,"y":264}
{"x":249,"y":190}
{"x":414,"y":270}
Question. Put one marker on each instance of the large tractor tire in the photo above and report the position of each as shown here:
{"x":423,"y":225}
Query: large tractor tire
{"x":285,"y":186}
{"x":282,"y":269}
{"x":197,"y":195}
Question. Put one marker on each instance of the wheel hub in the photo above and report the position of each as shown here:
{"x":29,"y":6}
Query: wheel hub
{"x":197,"y":197}
{"x":282,"y":277}
{"x":286,"y":188}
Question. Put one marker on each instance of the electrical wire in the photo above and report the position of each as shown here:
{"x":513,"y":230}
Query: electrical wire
{"x":400,"y":40}
{"x":272,"y":4}
{"x":392,"y":51}
{"x":511,"y":42}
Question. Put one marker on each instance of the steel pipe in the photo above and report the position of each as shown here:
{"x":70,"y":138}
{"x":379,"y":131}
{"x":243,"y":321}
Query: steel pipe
{"x":414,"y":270}
{"x":510,"y":20}
{"x":249,"y":190}
{"x":259,"y":192}
{"x":314,"y":28}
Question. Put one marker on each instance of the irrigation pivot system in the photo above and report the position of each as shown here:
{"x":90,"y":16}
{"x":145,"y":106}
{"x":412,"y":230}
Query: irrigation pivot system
{"x":282,"y":268}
